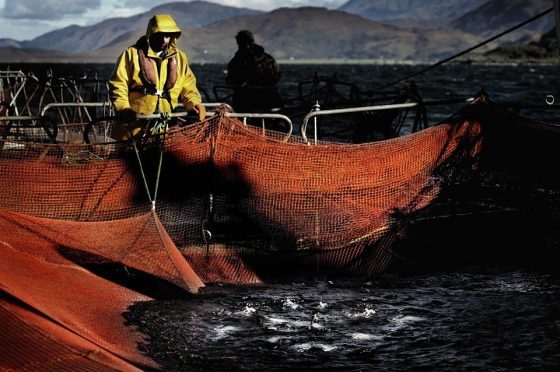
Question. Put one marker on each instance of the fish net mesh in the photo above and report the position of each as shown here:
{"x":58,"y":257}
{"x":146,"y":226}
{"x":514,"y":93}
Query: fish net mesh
{"x":217,"y":201}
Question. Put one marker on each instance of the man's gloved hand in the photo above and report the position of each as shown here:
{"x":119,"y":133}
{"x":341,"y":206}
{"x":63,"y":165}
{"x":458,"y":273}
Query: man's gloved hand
{"x":126,"y":116}
{"x":200,"y":110}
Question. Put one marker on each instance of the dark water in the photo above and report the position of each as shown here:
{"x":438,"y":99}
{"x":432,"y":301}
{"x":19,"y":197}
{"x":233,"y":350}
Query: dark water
{"x":478,"y":319}
{"x":526,"y":84}
{"x":484,"y":316}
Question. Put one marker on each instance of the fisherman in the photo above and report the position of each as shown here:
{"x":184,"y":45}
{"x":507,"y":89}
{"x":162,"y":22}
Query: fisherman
{"x":151,"y":77}
{"x":254,"y":74}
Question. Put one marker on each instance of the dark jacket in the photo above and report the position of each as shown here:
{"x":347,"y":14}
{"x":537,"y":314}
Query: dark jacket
{"x":253,"y":66}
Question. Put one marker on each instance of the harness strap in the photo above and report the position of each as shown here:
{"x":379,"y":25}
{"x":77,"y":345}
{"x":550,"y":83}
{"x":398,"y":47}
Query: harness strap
{"x":152,"y":91}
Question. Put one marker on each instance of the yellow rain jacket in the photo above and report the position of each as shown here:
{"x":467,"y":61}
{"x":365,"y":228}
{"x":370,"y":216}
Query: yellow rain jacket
{"x":128,"y":91}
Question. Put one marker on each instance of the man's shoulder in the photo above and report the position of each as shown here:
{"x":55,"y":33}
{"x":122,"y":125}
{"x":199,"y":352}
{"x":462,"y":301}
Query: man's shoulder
{"x":129,"y":52}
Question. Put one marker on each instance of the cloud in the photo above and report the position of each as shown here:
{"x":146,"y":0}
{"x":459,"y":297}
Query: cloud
{"x":46,"y":9}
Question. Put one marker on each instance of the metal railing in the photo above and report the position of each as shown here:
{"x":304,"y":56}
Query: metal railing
{"x":74,"y":104}
{"x":264,"y":116}
{"x":210,"y":105}
{"x":238,"y":115}
{"x":244,"y":116}
{"x":106,"y":106}
{"x":316,"y":111}
{"x":49,"y":126}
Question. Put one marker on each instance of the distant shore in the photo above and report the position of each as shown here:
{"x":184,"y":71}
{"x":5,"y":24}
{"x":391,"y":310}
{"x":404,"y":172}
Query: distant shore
{"x":475,"y":59}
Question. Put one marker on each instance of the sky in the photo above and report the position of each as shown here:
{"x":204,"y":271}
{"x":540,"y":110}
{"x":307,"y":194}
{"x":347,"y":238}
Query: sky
{"x":27,"y":19}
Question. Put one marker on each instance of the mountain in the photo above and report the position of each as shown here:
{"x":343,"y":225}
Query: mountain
{"x":75,"y":39}
{"x":498,"y":15}
{"x":545,"y":49}
{"x":430,"y":13}
{"x":17,"y":54}
{"x":10,"y":43}
{"x":309,"y":33}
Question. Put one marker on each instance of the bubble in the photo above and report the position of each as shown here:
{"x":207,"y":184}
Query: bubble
{"x":291,"y":304}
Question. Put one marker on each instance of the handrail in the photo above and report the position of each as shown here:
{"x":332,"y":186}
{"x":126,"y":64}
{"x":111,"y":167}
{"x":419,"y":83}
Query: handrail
{"x":211,"y":105}
{"x":107,"y":103}
{"x":265,"y":116}
{"x":22,"y":118}
{"x":8,"y":73}
{"x":317,"y":112}
{"x":52,"y":135}
{"x":234,"y":115}
{"x":208,"y":114}
{"x":74,"y":104}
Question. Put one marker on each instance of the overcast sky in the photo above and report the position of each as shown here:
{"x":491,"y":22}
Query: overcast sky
{"x":26,"y":19}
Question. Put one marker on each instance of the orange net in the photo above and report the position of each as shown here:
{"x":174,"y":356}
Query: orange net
{"x":328,"y":204}
{"x":215,"y":201}
{"x":33,"y":342}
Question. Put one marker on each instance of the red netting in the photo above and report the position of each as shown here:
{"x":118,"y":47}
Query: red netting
{"x":32,"y":342}
{"x":236,"y":202}
{"x":330,"y":201}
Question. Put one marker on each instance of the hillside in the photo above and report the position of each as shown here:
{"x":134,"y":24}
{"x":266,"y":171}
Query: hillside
{"x":76,"y":39}
{"x":430,"y":13}
{"x":544,"y":50}
{"x":499,"y":15}
{"x":16,"y":54}
{"x":308,"y":33}
{"x":10,"y":43}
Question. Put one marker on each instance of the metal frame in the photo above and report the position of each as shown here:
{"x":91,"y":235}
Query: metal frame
{"x":84,"y":105}
{"x":239,"y":115}
{"x":15,"y":75}
{"x":316,"y":111}
{"x":208,"y":114}
{"x":74,"y":104}
{"x":52,"y":135}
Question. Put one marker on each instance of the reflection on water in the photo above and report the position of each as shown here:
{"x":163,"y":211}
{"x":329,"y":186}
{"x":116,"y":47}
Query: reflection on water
{"x":505,"y":319}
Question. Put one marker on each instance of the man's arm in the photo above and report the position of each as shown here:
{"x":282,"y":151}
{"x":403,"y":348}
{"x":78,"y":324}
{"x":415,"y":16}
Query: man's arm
{"x":118,"y":84}
{"x":191,"y":96}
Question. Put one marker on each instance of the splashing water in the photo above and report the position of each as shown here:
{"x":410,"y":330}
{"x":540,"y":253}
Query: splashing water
{"x":450,"y":320}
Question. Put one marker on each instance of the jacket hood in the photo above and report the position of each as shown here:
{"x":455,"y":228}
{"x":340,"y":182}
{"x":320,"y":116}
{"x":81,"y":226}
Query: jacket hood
{"x":160,"y":23}
{"x":163,"y":23}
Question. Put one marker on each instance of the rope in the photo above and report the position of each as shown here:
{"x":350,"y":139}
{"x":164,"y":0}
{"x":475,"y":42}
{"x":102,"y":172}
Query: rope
{"x":164,"y":118}
{"x":162,"y":123}
{"x":142,"y":172}
{"x":441,"y":62}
